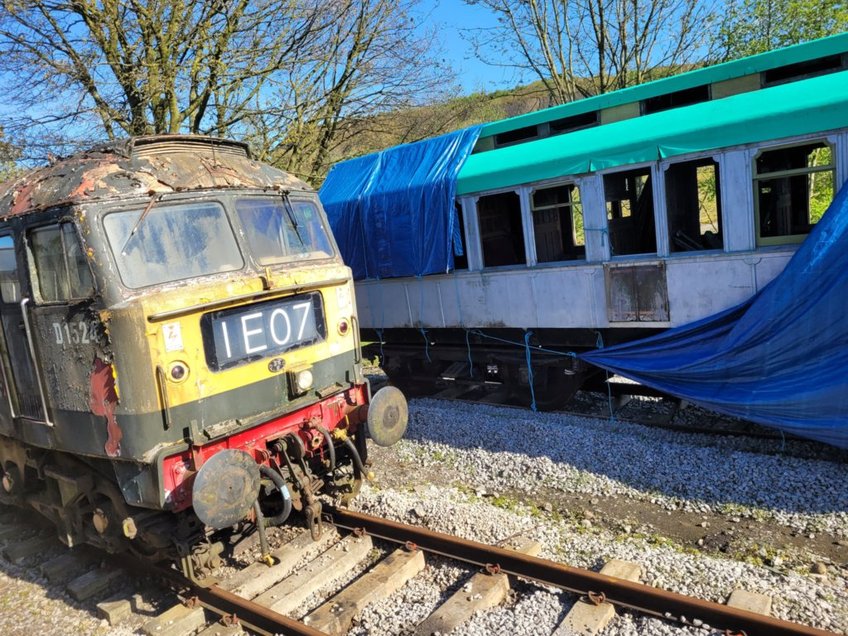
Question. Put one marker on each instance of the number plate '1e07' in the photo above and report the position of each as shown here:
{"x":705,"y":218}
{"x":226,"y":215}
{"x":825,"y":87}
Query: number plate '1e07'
{"x":244,"y":334}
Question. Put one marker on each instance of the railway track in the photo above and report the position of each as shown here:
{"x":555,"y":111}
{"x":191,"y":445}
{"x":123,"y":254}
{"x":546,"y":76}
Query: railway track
{"x":263,"y":598}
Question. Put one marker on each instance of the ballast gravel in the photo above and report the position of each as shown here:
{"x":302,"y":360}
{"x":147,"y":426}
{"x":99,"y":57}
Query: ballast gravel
{"x":490,"y":450}
{"x":482,"y":472}
{"x":500,"y":448}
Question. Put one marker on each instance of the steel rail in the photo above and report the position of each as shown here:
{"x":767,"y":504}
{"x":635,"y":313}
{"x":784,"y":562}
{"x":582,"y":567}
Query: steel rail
{"x":258,"y":618}
{"x":643,"y":598}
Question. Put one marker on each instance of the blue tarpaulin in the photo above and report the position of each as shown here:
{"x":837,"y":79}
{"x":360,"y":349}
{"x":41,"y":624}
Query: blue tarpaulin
{"x":392,"y":212}
{"x":779,"y":359}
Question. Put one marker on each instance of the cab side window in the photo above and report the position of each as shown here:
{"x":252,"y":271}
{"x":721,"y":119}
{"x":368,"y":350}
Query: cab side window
{"x":10,"y":288}
{"x":61,"y":270}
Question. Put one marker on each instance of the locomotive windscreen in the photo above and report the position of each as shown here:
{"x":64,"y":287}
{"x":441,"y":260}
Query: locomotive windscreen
{"x":172,"y":242}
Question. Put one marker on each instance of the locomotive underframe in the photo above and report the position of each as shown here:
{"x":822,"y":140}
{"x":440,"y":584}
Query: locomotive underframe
{"x":82,"y":498}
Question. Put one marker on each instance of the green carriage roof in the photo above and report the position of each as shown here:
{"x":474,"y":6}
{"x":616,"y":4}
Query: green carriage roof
{"x":797,"y":54}
{"x":801,"y":107}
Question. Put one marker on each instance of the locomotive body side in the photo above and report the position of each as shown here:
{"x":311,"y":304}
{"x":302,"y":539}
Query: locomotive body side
{"x":181,"y":308}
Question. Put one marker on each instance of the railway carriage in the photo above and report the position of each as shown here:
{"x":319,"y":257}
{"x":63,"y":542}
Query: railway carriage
{"x":599,"y":221}
{"x":179,"y":349}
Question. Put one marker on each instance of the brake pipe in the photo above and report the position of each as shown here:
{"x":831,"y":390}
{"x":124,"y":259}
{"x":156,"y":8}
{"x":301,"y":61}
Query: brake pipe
{"x":280,"y":484}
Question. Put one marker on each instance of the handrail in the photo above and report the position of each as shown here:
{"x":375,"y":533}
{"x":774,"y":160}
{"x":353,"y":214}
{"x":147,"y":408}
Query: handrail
{"x":34,"y":358}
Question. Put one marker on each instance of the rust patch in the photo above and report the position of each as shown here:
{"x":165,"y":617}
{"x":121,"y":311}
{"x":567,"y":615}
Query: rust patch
{"x":131,"y":168}
{"x":103,"y":400}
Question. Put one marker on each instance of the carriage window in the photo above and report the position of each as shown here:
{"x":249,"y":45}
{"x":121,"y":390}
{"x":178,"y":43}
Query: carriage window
{"x":10,"y":288}
{"x":793,"y":188}
{"x":558,"y":224}
{"x":172,"y":242}
{"x":694,"y":205}
{"x":278,"y":229}
{"x":501,"y":234}
{"x":61,"y":268}
{"x":630,"y":212}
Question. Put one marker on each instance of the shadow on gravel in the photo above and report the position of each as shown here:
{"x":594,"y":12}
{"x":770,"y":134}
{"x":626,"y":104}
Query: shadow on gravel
{"x":519,"y":449}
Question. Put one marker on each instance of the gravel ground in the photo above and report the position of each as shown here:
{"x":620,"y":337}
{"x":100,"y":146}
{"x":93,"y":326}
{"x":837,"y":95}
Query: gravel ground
{"x":29,"y":604}
{"x":477,"y":471}
{"x":501,"y":448}
{"x":588,"y":490}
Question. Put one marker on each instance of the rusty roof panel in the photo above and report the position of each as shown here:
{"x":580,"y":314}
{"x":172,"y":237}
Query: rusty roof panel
{"x":139,"y":167}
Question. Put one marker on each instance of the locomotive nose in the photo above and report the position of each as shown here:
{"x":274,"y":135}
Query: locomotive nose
{"x":225,"y":488}
{"x":388,"y":415}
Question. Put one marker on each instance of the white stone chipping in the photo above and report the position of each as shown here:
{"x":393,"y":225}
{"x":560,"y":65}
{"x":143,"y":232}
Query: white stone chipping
{"x":491,"y":450}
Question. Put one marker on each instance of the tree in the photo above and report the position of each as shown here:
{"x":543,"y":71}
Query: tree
{"x":755,"y":26}
{"x":9,"y":153}
{"x":578,"y":48}
{"x":374,"y":61}
{"x":283,"y":73}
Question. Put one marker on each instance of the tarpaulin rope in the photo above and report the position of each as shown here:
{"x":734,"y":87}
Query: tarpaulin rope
{"x":527,"y":335}
{"x":599,"y":343}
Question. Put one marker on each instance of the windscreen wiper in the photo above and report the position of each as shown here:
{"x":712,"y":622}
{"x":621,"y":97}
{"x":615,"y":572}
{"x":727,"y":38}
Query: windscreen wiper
{"x":153,"y":201}
{"x":290,"y":213}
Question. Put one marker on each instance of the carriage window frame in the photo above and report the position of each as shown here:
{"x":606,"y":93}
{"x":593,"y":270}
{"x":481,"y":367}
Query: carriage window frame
{"x":788,"y":239}
{"x":615,"y":214}
{"x":514,"y":218}
{"x":80,"y":263}
{"x":673,"y":182}
{"x":577,"y":251}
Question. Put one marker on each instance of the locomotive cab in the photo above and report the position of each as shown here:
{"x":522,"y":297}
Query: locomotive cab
{"x":179,"y":348}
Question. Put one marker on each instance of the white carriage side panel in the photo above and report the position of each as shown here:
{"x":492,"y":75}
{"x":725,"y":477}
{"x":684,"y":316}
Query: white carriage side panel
{"x":737,"y":200}
{"x":381,"y":303}
{"x":769,"y":266}
{"x":506,"y":299}
{"x":560,"y":297}
{"x":594,"y":218}
{"x":570,"y":297}
{"x":563,"y":297}
{"x":699,"y":287}
{"x":660,"y":209}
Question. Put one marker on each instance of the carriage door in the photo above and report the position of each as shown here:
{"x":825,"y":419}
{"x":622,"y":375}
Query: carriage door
{"x":19,"y":373}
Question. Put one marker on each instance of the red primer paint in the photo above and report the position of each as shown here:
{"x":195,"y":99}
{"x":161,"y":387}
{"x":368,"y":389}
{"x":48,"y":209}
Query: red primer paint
{"x":178,"y":470}
{"x":103,"y":400}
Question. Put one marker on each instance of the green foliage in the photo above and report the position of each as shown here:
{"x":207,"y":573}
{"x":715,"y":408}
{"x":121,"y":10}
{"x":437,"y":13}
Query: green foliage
{"x":821,"y":184}
{"x":370,"y":134}
{"x":9,"y":153}
{"x":756,"y":26}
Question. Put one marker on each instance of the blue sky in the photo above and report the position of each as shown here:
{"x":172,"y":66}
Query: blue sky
{"x":453,"y":20}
